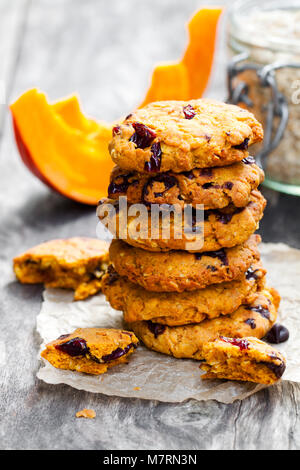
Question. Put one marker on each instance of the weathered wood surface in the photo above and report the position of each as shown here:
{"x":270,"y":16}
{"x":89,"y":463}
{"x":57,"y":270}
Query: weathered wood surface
{"x":105,"y":51}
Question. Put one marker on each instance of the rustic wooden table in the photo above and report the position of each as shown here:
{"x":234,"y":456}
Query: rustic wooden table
{"x":105,"y":51}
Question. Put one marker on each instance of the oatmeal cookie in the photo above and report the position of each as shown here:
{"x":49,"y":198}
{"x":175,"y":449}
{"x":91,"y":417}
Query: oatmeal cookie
{"x":222,"y":228}
{"x":74,"y":263}
{"x":187,"y":341}
{"x":176,"y":271}
{"x":180,"y":308}
{"x":247,"y":359}
{"x":90,"y":350}
{"x":215,"y":188}
{"x":180,"y":136}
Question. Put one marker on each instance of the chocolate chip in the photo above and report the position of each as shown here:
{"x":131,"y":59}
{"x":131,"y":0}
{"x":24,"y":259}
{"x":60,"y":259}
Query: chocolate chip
{"x":277,"y":334}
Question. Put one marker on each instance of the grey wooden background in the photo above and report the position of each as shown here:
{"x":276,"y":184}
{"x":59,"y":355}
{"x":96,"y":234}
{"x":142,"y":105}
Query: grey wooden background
{"x":104,"y":50}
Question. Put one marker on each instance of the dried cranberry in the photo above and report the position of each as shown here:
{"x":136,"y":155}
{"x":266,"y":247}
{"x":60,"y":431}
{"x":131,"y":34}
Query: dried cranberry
{"x":128,"y":117}
{"x":117,"y":353}
{"x":115,"y":188}
{"x":251,"y":322}
{"x":251,"y":274}
{"x":206,"y":172}
{"x":220,"y":254}
{"x":189,"y":112}
{"x":264,"y":312}
{"x":243,"y":145}
{"x":153,"y":166}
{"x":112,"y":275}
{"x":211,"y":268}
{"x":248,"y":160}
{"x":208,"y":185}
{"x":277,"y":369}
{"x":156,"y":328}
{"x":224,"y":217}
{"x":189,"y":174}
{"x":168,"y":180}
{"x":74,"y":347}
{"x":277,"y":334}
{"x":143,"y":135}
{"x":116,"y":130}
{"x":63,"y":336}
{"x":241,"y":343}
{"x":228,"y":185}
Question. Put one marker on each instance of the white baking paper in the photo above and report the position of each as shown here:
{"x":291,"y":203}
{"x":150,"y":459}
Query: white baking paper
{"x":151,"y":375}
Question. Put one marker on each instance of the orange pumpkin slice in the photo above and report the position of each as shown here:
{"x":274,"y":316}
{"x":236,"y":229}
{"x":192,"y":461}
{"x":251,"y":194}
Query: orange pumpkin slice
{"x":69,"y":152}
{"x":188,"y":78}
{"x":62,"y":147}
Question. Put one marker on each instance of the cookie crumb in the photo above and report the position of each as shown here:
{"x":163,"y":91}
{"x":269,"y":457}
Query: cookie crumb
{"x":137,"y":388}
{"x":85,"y":413}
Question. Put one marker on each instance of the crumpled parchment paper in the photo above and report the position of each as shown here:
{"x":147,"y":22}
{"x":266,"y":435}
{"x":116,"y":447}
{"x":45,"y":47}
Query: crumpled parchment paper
{"x":151,"y":375}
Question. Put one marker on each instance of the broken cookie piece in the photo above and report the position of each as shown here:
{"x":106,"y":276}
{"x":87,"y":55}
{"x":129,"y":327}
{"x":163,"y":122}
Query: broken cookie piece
{"x":74,"y":263}
{"x":86,"y":413}
{"x":247,"y":359}
{"x":90,"y":350}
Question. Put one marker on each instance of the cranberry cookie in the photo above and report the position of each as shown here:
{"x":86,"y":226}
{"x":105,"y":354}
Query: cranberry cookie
{"x":90,"y":350}
{"x":74,"y":263}
{"x":173,"y":271}
{"x":226,"y":227}
{"x":215,"y":188}
{"x":187,"y":341}
{"x":180,"y":308}
{"x":242,"y":359}
{"x":180,"y":136}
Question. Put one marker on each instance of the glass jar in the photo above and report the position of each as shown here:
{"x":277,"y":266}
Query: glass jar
{"x":264,"y":76}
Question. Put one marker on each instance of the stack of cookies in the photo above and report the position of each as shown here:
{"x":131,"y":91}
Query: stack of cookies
{"x":206,"y":300}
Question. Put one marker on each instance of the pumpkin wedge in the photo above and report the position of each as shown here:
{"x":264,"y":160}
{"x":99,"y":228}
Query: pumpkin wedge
{"x":188,"y":78}
{"x":62,"y":147}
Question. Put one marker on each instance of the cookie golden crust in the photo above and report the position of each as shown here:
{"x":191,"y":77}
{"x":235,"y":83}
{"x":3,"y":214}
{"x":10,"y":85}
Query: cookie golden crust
{"x":247,"y":359}
{"x":176,"y":271}
{"x":90,"y":350}
{"x":180,"y":308}
{"x":74,"y":263}
{"x":215,"y":188}
{"x":180,"y":136}
{"x":187,"y":341}
{"x":228,"y":227}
